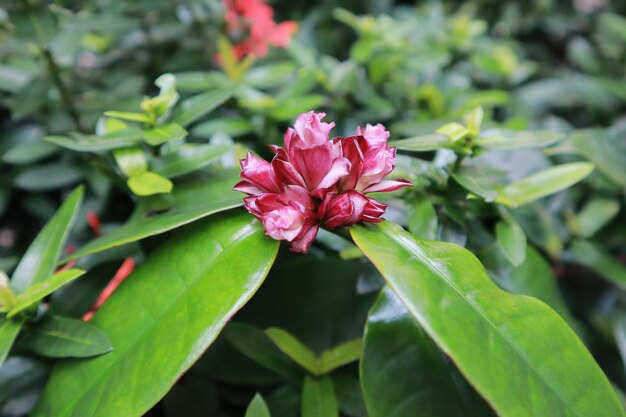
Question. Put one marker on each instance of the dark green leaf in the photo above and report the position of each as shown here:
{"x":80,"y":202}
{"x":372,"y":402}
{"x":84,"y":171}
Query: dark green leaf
{"x":9,"y":329}
{"x":27,"y":153}
{"x":59,"y":337}
{"x":43,"y":177}
{"x":596,"y":258}
{"x":403,"y":374}
{"x":257,"y":345}
{"x":447,"y":291}
{"x":163,"y":318}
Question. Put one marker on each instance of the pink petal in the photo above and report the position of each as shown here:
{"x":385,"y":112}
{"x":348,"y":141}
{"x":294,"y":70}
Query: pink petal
{"x":246,"y":187}
{"x":339,"y":168}
{"x":259,"y":173}
{"x":386,"y":186}
{"x":302,"y":244}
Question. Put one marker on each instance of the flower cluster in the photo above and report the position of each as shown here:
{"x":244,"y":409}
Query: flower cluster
{"x":315,"y":181}
{"x":254,"y":18}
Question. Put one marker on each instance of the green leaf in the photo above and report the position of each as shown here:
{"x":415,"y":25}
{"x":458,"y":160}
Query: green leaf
{"x":198,"y":106}
{"x":486,"y":330}
{"x":473,"y":183}
{"x":132,"y":161}
{"x":340,"y":355}
{"x":60,"y":337}
{"x":48,"y":176}
{"x":544,"y":183}
{"x":114,"y":140}
{"x":454,"y":131}
{"x":594,"y":216}
{"x":163,"y":317}
{"x":236,"y":126}
{"x":39,"y":291}
{"x":189,"y":158}
{"x":148,"y":183}
{"x":503,"y":139}
{"x":421,"y":143}
{"x":604,"y":150}
{"x":403,"y":374}
{"x":40,"y":260}
{"x":9,"y":329}
{"x":28,"y":153}
{"x":191,"y":201}
{"x":257,"y":408}
{"x":257,"y":345}
{"x":164,"y":133}
{"x":473,"y":119}
{"x":133,"y":117}
{"x":600,"y":261}
{"x":294,"y":348}
{"x":512,"y":240}
{"x":422,"y":217}
{"x":318,"y":398}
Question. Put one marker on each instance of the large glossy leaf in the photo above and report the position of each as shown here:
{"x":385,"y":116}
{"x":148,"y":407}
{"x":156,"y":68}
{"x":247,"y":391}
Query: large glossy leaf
{"x":403,"y":374}
{"x":516,"y":351}
{"x":40,"y":260}
{"x":191,"y":201}
{"x":163,"y":317}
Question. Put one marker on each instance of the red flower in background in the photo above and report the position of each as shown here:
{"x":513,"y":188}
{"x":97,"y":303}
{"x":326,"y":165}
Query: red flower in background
{"x":255,"y":20}
{"x":314,"y":181}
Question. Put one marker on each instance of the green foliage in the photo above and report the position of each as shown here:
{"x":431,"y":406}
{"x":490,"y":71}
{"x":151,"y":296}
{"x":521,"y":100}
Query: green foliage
{"x":507,"y":119}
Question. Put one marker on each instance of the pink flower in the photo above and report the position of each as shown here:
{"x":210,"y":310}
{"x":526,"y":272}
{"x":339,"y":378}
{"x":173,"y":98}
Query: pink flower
{"x":256,"y":18}
{"x":348,"y":208}
{"x":314,"y":181}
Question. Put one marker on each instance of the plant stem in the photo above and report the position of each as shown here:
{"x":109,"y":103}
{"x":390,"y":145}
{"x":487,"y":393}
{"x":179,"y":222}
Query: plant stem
{"x":68,"y":103}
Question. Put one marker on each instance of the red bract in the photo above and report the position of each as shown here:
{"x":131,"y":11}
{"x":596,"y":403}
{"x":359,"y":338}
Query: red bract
{"x":314,"y":181}
{"x":256,"y":18}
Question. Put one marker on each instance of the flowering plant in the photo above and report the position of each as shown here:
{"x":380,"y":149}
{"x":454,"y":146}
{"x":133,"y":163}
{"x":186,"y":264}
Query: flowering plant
{"x":314,"y":181}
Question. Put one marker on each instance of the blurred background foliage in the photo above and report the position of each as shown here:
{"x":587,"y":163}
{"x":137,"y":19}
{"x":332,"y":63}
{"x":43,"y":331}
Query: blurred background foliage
{"x":532,"y":65}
